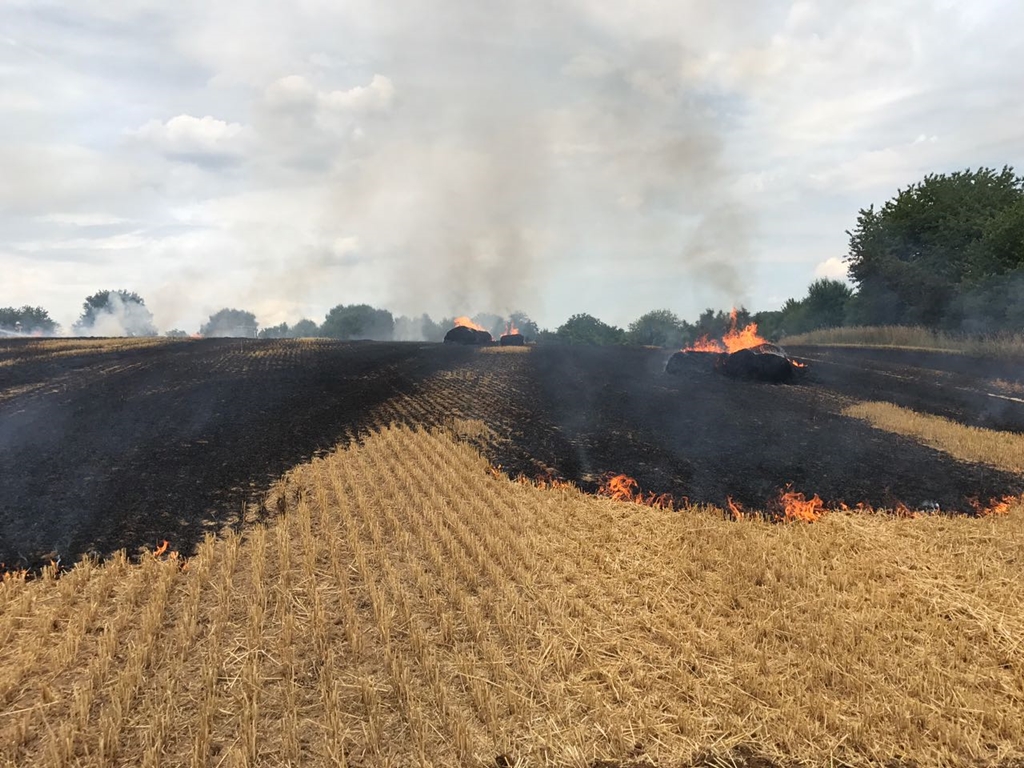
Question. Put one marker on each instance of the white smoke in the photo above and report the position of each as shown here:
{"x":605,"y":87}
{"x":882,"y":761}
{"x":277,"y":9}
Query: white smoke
{"x":118,"y":318}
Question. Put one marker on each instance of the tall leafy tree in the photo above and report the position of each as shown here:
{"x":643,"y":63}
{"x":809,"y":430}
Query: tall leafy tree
{"x":304,"y":329}
{"x":27,"y":319}
{"x":358,"y":321}
{"x":526,"y":326}
{"x":658,"y":328}
{"x":230,"y":323}
{"x":115,"y":313}
{"x":587,"y":329}
{"x":825,"y":303}
{"x":935,"y":240}
{"x":281,"y":331}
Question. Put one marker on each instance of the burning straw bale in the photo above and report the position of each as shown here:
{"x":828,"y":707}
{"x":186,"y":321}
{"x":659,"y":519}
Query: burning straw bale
{"x":765,"y":362}
{"x":461,"y":334}
{"x":741,"y":354}
{"x":467,"y":332}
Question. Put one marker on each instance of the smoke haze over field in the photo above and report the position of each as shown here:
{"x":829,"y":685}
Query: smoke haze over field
{"x":460,"y":157}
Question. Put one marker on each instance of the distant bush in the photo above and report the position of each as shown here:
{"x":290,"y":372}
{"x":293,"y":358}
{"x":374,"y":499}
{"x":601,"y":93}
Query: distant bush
{"x":587,"y":329}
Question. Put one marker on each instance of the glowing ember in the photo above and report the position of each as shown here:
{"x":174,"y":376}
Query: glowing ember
{"x":625,"y":488}
{"x":465,"y":322}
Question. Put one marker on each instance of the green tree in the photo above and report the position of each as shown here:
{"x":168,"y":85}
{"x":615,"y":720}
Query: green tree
{"x":358,"y":321}
{"x":716,"y":323}
{"x":524,"y":324}
{"x":26,"y":319}
{"x":769,"y":323}
{"x":493,"y":324}
{"x":915,"y":255}
{"x":281,"y":331}
{"x":176,"y":333}
{"x":825,"y":303}
{"x":793,"y":318}
{"x":115,"y":313}
{"x":1000,"y":249}
{"x":230,"y":323}
{"x":304,"y":329}
{"x":434,"y":331}
{"x":586,"y":329}
{"x":659,"y":328}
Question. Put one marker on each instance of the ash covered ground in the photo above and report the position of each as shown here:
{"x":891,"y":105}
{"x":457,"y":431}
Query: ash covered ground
{"x":102,"y":450}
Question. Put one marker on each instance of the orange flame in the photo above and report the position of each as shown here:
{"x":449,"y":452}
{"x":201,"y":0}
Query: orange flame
{"x":162,"y":548}
{"x":11,"y":574}
{"x":734,"y":339}
{"x":510,"y":329}
{"x":736,"y":508}
{"x":704,"y":344}
{"x":625,"y":488}
{"x":796,"y":507}
{"x":465,"y":322}
{"x":995,"y":507}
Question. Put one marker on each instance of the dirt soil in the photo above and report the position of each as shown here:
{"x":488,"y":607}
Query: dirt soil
{"x":102,"y":450}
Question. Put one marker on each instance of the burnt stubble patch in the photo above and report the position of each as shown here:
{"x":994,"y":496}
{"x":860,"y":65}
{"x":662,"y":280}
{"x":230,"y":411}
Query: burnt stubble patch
{"x":123,"y":448}
{"x":707,"y":437}
{"x":101,"y":451}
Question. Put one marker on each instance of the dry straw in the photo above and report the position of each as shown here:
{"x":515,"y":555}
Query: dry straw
{"x":411,"y":607}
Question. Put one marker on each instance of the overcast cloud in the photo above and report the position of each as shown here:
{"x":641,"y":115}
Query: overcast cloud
{"x":461,"y":156}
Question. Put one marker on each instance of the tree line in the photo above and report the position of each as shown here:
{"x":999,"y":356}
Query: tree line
{"x":946,"y":253}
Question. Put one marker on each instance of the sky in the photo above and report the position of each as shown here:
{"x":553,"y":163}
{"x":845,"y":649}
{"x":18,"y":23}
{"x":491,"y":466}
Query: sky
{"x":464,"y":156}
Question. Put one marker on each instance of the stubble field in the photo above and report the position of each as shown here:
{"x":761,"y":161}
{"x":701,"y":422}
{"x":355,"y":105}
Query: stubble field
{"x":399,"y":600}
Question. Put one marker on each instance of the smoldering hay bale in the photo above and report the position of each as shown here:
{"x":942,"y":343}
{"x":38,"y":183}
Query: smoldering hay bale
{"x":461,"y":334}
{"x":690,"y":360}
{"x":765,"y":363}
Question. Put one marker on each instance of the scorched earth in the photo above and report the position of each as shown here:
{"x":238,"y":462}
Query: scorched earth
{"x":122,"y":444}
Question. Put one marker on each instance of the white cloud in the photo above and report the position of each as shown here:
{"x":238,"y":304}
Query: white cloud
{"x":833,"y":267}
{"x":83,"y":219}
{"x":185,"y":135}
{"x":291,"y":92}
{"x":119,"y":242}
{"x":376,"y":96}
{"x":296,"y":92}
{"x":408,"y":154}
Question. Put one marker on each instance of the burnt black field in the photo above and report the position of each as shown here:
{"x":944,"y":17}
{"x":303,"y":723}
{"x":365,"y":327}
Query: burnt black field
{"x":104,"y":450}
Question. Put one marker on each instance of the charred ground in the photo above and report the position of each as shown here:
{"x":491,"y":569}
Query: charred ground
{"x":104,"y":449}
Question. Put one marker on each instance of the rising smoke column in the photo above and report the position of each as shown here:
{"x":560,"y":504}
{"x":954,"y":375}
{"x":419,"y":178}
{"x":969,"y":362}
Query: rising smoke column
{"x":520,"y":149}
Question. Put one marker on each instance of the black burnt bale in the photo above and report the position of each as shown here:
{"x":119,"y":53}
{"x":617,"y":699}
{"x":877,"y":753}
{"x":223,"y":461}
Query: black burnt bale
{"x":512,"y":340}
{"x":756,"y":365}
{"x":460,"y":334}
{"x":690,"y":360}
